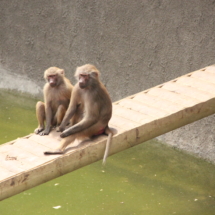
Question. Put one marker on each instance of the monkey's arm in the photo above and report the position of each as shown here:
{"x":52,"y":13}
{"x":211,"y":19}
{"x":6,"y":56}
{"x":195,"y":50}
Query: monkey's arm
{"x":91,"y":116}
{"x":69,"y":114}
{"x":80,"y":126}
{"x":70,"y":111}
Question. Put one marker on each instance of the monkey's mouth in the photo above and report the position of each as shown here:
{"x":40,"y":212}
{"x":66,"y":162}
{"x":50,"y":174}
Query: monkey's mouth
{"x":82,"y":86}
{"x":52,"y":84}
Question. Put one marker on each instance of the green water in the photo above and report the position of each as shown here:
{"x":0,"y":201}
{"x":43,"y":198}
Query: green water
{"x":150,"y":179}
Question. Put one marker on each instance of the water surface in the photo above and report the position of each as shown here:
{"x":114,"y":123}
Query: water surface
{"x":151,"y":178}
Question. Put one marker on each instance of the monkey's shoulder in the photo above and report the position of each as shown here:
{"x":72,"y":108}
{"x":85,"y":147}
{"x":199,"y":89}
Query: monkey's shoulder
{"x":68,"y":83}
{"x":46,"y":86}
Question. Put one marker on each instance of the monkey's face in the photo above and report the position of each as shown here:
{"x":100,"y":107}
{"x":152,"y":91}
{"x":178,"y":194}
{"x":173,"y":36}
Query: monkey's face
{"x":83,"y":80}
{"x":52,"y":79}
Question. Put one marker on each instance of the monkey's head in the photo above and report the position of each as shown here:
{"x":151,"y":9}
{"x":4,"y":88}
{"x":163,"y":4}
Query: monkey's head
{"x":54,"y":76}
{"x":87,"y":75}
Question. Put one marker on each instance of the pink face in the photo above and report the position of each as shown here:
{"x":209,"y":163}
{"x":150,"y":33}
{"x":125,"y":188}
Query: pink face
{"x":83,"y":80}
{"x":52,"y":79}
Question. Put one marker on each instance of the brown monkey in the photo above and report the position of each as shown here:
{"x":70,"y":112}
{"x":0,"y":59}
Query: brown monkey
{"x":90,"y":109}
{"x":57,"y":93}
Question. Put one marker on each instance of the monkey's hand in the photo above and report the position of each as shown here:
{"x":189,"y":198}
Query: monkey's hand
{"x":60,"y":129}
{"x":64,"y":134}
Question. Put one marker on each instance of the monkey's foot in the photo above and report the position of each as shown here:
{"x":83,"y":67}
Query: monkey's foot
{"x":58,"y":129}
{"x":38,"y":130}
{"x":45,"y":132}
{"x":56,"y":152}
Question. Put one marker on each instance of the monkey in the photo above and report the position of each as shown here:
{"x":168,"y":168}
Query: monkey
{"x":90,"y":110}
{"x":57,"y":93}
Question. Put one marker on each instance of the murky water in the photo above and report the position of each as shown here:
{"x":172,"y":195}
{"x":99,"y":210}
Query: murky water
{"x":151,"y":178}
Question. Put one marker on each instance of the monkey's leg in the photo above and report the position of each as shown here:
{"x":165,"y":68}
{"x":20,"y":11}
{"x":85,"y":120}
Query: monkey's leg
{"x":59,"y":115}
{"x":40,"y":113}
{"x":63,"y":144}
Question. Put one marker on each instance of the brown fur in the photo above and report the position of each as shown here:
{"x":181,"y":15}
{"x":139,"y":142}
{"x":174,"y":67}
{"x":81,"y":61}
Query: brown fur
{"x":90,"y":109}
{"x":57,"y":93}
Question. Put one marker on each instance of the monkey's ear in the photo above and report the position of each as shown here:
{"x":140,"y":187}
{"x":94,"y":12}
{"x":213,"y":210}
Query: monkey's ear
{"x":45,"y":74}
{"x":94,"y":74}
{"x":61,"y":71}
{"x":76,"y":73}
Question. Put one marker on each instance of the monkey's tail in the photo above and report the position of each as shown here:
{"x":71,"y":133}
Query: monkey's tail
{"x":110,"y":135}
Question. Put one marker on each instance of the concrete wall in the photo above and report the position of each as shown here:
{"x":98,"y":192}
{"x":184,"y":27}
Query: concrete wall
{"x":135,"y":44}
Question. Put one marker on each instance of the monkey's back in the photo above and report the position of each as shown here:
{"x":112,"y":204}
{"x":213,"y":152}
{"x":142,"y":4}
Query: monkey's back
{"x":104,"y":103}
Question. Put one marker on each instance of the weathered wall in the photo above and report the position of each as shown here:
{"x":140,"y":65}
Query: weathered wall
{"x":136,"y":45}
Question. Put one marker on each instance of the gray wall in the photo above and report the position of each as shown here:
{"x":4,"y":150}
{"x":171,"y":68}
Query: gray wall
{"x":136,"y":45}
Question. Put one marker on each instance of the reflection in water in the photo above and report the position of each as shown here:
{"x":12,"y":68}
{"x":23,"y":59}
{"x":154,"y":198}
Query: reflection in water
{"x":150,"y":179}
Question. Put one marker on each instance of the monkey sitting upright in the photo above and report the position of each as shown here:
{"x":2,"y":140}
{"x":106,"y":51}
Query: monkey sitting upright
{"x":90,"y":109}
{"x":57,"y":93}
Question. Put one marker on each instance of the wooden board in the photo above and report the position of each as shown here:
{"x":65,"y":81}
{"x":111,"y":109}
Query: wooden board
{"x":136,"y":119}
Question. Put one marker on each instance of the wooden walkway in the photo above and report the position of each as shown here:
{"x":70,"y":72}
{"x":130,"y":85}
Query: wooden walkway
{"x":137,"y":118}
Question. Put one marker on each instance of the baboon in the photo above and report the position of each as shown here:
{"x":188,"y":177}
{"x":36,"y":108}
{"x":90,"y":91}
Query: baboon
{"x":90,"y":109}
{"x":57,"y":94}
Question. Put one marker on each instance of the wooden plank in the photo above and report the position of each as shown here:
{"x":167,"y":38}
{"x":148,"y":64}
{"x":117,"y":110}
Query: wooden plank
{"x":173,"y":96}
{"x":197,"y":84}
{"x":131,"y":114}
{"x":136,"y":119}
{"x":5,"y":173}
{"x":210,"y":69}
{"x":145,"y":109}
{"x":123,"y":123}
{"x":153,"y":101}
{"x":188,"y":91}
{"x":18,"y":159}
{"x":31,"y":146}
{"x":205,"y":76}
{"x":50,"y":141}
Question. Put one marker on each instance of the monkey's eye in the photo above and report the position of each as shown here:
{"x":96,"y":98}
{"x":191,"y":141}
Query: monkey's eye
{"x":83,"y":75}
{"x":52,"y":76}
